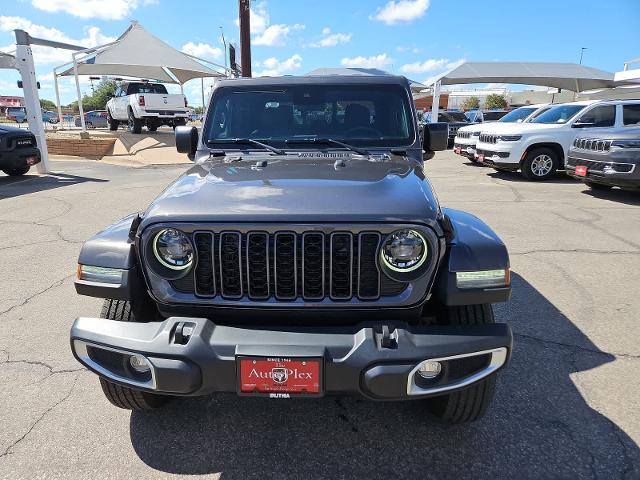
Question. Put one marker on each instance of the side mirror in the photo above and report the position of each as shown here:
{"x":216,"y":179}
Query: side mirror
{"x":582,"y":125}
{"x":434,"y":139}
{"x":187,"y":141}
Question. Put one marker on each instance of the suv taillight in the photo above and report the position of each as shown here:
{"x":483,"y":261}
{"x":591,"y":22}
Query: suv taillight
{"x":185,"y":102}
{"x":141,"y":100}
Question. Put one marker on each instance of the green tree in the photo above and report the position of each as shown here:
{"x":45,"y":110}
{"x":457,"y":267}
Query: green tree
{"x":495,"y":101}
{"x":471,"y":103}
{"x":47,"y":104}
{"x":98,"y":98}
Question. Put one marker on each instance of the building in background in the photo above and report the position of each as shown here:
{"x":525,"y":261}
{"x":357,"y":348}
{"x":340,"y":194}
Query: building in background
{"x":7,"y":101}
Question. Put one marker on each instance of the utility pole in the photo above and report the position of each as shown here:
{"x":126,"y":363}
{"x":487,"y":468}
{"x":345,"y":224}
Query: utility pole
{"x":582,"y":53}
{"x":245,"y":37}
{"x":224,"y":42}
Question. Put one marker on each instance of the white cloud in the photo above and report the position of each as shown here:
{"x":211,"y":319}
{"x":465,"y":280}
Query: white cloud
{"x":276,"y":35}
{"x":112,"y":10}
{"x":202,"y":50}
{"x":426,"y":66}
{"x":273,"y":67}
{"x":376,"y":61}
{"x":331,"y":39}
{"x":93,"y":36}
{"x":455,"y":64}
{"x":401,"y":11}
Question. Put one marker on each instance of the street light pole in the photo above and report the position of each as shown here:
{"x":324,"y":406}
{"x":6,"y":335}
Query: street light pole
{"x":245,"y":37}
{"x":582,"y":53}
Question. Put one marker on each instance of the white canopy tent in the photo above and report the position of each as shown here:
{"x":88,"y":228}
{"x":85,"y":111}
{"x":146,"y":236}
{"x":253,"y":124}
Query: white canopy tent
{"x":135,"y":54}
{"x":7,"y":60}
{"x":565,"y":76}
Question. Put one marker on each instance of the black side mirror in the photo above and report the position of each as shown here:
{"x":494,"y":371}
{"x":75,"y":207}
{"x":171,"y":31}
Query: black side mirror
{"x":583,"y":125}
{"x":187,"y":141}
{"x":435,"y":138}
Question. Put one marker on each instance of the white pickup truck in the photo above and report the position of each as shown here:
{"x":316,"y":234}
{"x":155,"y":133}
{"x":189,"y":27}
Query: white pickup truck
{"x":538,"y":148}
{"x":144,"y":103}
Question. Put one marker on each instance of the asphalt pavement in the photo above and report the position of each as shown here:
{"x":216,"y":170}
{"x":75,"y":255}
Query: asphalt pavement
{"x":567,"y":406}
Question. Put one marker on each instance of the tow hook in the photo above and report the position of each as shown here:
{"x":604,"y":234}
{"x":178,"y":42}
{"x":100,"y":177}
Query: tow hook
{"x":389,"y":339}
{"x":183,"y":332}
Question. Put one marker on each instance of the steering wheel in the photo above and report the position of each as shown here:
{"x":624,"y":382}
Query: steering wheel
{"x":353,"y":130}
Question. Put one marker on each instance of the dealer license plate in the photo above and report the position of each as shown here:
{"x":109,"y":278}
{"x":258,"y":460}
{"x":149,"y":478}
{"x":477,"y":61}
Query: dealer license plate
{"x":279,"y":377}
{"x":32,"y":160}
{"x":581,"y":171}
{"x":457,"y":150}
{"x":481,"y":157}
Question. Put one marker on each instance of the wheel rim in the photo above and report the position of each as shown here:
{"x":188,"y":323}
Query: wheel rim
{"x":130,"y":121}
{"x":541,"y":165}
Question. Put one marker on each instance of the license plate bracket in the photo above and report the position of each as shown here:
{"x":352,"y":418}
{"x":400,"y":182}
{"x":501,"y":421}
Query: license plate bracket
{"x":481,"y":158}
{"x":279,"y":377}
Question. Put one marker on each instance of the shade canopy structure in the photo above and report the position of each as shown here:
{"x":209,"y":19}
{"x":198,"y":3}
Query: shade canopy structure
{"x":135,"y":54}
{"x":7,"y":60}
{"x":566,"y":76}
{"x":415,"y":86}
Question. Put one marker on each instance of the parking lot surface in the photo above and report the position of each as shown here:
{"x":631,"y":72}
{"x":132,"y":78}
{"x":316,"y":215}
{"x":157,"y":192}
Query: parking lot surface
{"x":567,"y":406}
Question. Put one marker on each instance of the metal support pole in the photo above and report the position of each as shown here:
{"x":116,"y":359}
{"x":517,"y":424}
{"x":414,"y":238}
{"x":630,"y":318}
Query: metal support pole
{"x":435,"y":106}
{"x":202,"y":87}
{"x":55,"y":84}
{"x":245,"y":37}
{"x":26,"y":67}
{"x":80,"y":109}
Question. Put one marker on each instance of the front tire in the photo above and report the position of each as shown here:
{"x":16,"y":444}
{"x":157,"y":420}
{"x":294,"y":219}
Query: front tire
{"x":540,"y":164}
{"x":113,"y":124}
{"x":135,"y":124}
{"x":470,"y":404}
{"x":119,"y":396}
{"x":16,"y":172}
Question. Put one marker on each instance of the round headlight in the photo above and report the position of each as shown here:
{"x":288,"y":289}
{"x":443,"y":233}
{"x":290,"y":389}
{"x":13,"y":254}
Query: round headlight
{"x":173,"y":249}
{"x":404,"y":251}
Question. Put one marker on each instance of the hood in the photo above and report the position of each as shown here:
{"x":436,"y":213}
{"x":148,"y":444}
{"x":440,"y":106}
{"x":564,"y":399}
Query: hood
{"x":524,"y":128}
{"x":4,"y":129}
{"x":298,"y":188}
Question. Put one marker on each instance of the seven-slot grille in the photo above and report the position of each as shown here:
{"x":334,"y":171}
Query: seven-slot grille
{"x":463,"y":134}
{"x":488,"y":138}
{"x":592,"y":144}
{"x":286,"y":265}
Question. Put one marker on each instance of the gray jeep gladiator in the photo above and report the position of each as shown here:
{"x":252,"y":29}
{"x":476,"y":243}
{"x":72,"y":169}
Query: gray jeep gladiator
{"x":304,"y":254}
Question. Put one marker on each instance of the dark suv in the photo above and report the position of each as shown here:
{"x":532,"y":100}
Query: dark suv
{"x":607,"y":159}
{"x":303,"y":254}
{"x":18,"y":150}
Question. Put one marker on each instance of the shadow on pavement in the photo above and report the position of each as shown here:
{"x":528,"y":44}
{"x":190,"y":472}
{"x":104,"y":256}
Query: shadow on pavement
{"x":539,"y":425}
{"x":15,"y":186}
{"x":628,"y":197}
{"x":559,"y":177}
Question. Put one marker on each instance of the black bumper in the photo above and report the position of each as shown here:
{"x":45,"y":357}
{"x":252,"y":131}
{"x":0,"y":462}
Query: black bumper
{"x":17,"y":158}
{"x":605,"y":171}
{"x":358,"y":360}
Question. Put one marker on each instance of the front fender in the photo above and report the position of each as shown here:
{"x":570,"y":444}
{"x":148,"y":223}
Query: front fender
{"x":471,"y":246}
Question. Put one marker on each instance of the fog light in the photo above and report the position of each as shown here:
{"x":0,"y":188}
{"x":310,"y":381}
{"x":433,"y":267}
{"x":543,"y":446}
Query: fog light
{"x":429,"y":370}
{"x":483,"y":279}
{"x":89,"y":273}
{"x":139,"y":363}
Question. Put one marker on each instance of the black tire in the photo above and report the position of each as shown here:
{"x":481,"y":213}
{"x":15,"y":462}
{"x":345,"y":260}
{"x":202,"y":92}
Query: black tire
{"x":124,"y":397}
{"x":16,"y":172}
{"x":470,"y":404}
{"x":540,"y":164}
{"x":598,"y":186}
{"x":152,"y":128}
{"x":113,"y":124}
{"x":135,"y":124}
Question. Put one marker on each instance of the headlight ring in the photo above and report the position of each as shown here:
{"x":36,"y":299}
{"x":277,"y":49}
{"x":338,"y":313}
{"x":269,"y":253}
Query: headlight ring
{"x":173,"y":249}
{"x":403,"y":254}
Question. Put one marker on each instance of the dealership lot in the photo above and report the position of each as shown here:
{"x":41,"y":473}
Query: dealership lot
{"x":566,"y":407}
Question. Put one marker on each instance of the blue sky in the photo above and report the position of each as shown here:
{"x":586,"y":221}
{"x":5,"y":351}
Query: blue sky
{"x":417,"y":38}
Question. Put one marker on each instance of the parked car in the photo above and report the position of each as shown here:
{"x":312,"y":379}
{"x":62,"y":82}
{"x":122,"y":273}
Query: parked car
{"x":299,"y":260}
{"x":93,"y":119}
{"x":454,"y":120}
{"x":466,"y":138}
{"x":18,"y":150}
{"x":610,"y":158}
{"x":481,"y":116}
{"x":19,"y":115}
{"x":142,"y":103}
{"x":539,"y":148}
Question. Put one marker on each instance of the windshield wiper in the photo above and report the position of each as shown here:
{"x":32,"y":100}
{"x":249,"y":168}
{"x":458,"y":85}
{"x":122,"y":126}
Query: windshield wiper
{"x":247,"y":141}
{"x":328,"y":141}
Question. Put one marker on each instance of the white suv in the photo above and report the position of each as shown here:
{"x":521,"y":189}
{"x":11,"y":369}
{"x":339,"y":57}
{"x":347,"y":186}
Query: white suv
{"x":465,"y":142}
{"x":539,"y":148}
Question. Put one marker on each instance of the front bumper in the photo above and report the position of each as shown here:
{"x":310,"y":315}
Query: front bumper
{"x":466,"y":149}
{"x":605,"y":169}
{"x":19,"y":157}
{"x":372,"y":361}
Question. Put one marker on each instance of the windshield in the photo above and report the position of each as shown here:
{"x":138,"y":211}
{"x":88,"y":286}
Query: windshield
{"x":517,"y":115}
{"x":559,"y":114}
{"x":493,"y":116}
{"x":472,"y":115}
{"x":452,"y":117}
{"x":11,"y":110}
{"x":363,"y":115}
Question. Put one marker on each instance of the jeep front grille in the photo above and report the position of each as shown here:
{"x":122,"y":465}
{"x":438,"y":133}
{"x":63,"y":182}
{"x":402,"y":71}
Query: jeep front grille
{"x":488,"y":138}
{"x":286,"y":266}
{"x":595,"y":145}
